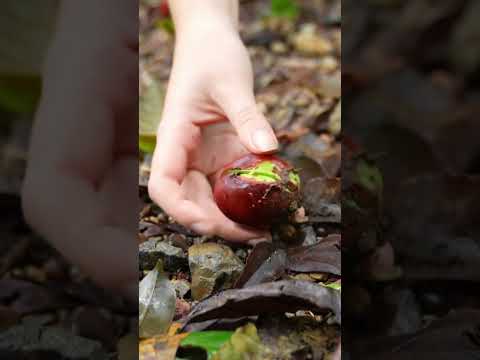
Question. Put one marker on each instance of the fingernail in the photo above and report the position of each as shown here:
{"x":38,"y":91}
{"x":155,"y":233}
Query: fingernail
{"x":264,"y":140}
{"x":131,"y":293}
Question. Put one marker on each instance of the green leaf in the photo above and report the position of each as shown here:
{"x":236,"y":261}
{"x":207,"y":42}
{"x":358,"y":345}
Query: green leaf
{"x":166,"y":24}
{"x":211,"y":341}
{"x":284,"y":8}
{"x":150,"y":112}
{"x":335,"y":285}
{"x":19,"y":93}
{"x":147,"y":143}
{"x":370,"y":177}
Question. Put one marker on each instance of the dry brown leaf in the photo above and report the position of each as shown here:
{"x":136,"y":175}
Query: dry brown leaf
{"x":163,"y":347}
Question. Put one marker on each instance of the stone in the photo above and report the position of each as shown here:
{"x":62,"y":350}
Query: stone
{"x":51,"y":341}
{"x":309,"y":42}
{"x":213,"y":267}
{"x":182,"y":287}
{"x":155,"y":249}
{"x":179,"y":241}
{"x":242,"y":254}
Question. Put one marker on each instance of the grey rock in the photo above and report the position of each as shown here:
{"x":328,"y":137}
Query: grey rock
{"x":154,"y":249}
{"x":182,"y":287}
{"x":28,"y":338}
{"x":213,"y":267}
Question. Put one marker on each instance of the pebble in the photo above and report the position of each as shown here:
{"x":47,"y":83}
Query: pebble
{"x":154,"y":249}
{"x":309,"y":42}
{"x":182,"y":287}
{"x":213,"y":267}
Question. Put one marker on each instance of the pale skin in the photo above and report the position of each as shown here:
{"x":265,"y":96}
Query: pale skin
{"x":210,"y":117}
{"x":80,"y":190}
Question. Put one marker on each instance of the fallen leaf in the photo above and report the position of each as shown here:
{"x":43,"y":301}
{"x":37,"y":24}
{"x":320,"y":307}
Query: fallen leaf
{"x":150,"y":113}
{"x":162,"y":347}
{"x":156,"y":303}
{"x":436,"y":227}
{"x":271,"y":269}
{"x":257,"y":257}
{"x":211,"y":341}
{"x":452,"y":337}
{"x":322,"y":257}
{"x":322,"y":199}
{"x":277,"y":297}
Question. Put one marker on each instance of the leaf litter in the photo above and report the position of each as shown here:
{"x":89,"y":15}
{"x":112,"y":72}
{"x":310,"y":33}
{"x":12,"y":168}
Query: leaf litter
{"x":296,"y":62}
{"x":412,"y":238}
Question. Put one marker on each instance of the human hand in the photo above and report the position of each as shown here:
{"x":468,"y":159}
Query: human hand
{"x":209,"y":119}
{"x":80,"y":190}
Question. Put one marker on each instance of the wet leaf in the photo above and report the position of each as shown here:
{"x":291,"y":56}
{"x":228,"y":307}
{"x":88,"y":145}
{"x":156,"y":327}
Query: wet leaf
{"x":271,"y":269}
{"x":257,"y":257}
{"x":276,"y":297}
{"x":211,"y":341}
{"x":156,"y":303}
{"x":444,"y":339}
{"x":322,"y":257}
{"x":446,"y":248}
{"x":322,"y":200}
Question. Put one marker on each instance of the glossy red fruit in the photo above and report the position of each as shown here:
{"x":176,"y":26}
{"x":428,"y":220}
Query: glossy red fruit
{"x":164,"y":8}
{"x":257,"y":190}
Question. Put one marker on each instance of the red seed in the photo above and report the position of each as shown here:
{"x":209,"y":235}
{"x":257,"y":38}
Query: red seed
{"x":164,"y":8}
{"x":257,"y":190}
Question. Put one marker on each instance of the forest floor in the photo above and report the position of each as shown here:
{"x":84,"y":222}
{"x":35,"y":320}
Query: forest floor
{"x":291,"y":293}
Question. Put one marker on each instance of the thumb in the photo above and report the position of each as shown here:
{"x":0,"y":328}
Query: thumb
{"x":252,"y":127}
